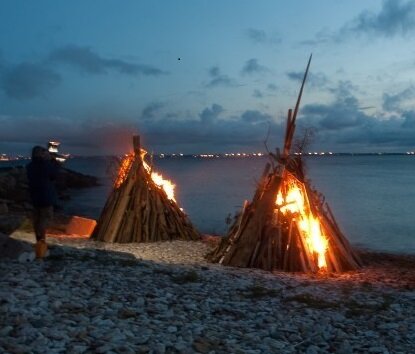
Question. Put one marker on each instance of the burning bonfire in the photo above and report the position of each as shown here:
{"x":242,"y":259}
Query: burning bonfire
{"x":142,"y":206}
{"x":287,"y":226}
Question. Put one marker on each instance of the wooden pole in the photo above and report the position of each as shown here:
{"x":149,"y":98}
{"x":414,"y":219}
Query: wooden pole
{"x":291,"y":127}
{"x":137,"y":145}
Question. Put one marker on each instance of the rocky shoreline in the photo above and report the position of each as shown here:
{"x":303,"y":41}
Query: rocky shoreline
{"x":90,"y":297}
{"x":14,"y":190}
{"x":15,"y":204}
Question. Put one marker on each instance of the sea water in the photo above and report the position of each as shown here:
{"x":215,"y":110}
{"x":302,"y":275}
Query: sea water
{"x":372,"y":197}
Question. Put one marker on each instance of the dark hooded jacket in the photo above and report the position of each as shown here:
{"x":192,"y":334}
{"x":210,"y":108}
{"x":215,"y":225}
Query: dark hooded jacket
{"x":41,"y":175}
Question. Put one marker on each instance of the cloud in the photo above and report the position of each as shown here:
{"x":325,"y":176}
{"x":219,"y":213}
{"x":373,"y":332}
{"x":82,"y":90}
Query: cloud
{"x":315,"y":80}
{"x":272,"y":87}
{"x":343,"y":113}
{"x":258,"y":36}
{"x":212,"y":131}
{"x":342,"y":124}
{"x":218,"y":79}
{"x":28,"y":80}
{"x":254,"y":116}
{"x":150,"y":110}
{"x":209,"y":130}
{"x":295,"y":75}
{"x":214,"y":71}
{"x":257,"y":94}
{"x":87,"y":61}
{"x":344,"y":89}
{"x":394,"y":102}
{"x":91,"y":136}
{"x":409,"y":120}
{"x":324,"y":36}
{"x":209,"y":115}
{"x":396,"y":17}
{"x":253,"y":67}
{"x":338,"y":116}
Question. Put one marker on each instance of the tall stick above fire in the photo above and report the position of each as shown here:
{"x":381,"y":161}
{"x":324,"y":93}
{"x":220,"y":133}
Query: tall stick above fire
{"x":287,"y":226}
{"x":142,"y":205}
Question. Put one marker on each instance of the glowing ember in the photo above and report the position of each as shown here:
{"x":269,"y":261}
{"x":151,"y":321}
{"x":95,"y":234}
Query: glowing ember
{"x":125,"y":166}
{"x":292,"y":198}
{"x":157,"y":178}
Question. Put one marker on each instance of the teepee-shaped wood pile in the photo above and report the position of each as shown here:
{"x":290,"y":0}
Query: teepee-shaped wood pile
{"x":141,"y":206}
{"x":287,"y":226}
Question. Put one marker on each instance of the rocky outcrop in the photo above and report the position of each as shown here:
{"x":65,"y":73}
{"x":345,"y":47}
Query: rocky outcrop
{"x":4,"y":209}
{"x":11,"y":222}
{"x":14,"y":190}
{"x":15,"y":203}
{"x":13,"y":249}
{"x":69,"y":179}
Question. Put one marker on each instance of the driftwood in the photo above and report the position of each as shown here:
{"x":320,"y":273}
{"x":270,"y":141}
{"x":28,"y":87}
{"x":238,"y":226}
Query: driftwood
{"x":270,"y":234}
{"x":138,"y":210}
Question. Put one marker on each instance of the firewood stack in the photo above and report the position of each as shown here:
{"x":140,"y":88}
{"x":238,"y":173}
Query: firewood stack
{"x":287,"y":226}
{"x":140,"y":208}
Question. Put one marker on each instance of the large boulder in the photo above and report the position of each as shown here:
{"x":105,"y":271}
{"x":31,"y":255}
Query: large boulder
{"x":12,"y":222}
{"x":72,"y":179}
{"x":13,"y":249}
{"x":4,"y":209}
{"x":7,"y":184}
{"x":14,"y":186}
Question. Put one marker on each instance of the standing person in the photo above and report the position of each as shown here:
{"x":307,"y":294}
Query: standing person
{"x":41,"y":173}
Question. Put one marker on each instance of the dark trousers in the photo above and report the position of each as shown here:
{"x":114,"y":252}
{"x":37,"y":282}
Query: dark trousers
{"x":41,"y":220}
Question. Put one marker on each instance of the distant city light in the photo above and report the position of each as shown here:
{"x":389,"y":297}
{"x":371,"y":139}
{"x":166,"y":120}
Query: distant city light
{"x":6,"y":157}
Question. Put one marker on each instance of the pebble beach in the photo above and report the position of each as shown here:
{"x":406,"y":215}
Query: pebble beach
{"x":91,"y":297}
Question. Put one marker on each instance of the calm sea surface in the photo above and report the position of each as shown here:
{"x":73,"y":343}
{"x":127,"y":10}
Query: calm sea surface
{"x":372,"y":197}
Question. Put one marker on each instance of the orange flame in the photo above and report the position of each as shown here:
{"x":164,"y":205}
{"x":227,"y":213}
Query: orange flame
{"x":293,"y":198}
{"x":160,"y":182}
{"x":157,"y":178}
{"x":125,"y":166}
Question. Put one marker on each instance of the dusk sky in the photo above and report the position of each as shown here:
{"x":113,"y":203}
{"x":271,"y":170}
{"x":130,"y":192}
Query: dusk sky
{"x":92,"y":73}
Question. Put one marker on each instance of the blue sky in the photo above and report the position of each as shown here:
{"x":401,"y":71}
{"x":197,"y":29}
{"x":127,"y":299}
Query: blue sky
{"x":91,"y":73}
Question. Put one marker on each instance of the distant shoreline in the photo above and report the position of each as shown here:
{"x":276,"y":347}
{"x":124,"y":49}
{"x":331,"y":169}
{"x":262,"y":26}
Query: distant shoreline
{"x":229,"y":156}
